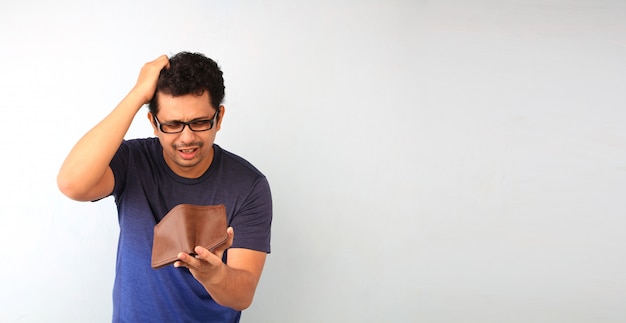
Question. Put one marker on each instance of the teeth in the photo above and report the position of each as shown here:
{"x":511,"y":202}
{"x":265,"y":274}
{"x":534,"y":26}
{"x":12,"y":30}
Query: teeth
{"x":187,"y":150}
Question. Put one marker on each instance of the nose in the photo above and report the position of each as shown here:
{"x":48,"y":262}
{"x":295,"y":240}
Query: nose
{"x":187,"y":136}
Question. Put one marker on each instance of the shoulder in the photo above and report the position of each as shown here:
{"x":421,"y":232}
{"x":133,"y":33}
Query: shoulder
{"x":142,"y":143}
{"x":141,"y":148}
{"x":231,"y":160}
{"x":136,"y":151}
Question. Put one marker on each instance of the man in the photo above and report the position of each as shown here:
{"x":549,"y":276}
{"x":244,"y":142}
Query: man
{"x":148,"y":177}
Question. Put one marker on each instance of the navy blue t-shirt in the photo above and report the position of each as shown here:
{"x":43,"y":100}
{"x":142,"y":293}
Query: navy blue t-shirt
{"x":145,"y":190}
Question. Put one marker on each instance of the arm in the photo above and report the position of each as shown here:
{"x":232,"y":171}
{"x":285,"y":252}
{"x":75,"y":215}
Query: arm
{"x":85,"y":174}
{"x":232,"y":284}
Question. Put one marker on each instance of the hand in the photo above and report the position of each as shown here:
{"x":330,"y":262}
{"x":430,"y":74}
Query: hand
{"x":148,"y":77}
{"x":207,"y":267}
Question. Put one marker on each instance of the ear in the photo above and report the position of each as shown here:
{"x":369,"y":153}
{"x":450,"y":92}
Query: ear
{"x":220,"y":118}
{"x":153,"y":123}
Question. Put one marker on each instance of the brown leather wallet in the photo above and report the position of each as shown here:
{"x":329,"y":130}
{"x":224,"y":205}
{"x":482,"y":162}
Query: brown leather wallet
{"x":186,"y":226}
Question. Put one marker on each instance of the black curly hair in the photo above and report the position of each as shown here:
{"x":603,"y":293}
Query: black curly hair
{"x":190,"y":73}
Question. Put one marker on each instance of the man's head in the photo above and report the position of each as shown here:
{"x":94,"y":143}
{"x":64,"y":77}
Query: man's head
{"x":190,"y":73}
{"x":186,"y":112}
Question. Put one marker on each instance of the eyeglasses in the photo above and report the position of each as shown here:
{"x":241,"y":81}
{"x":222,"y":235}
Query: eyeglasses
{"x":179,"y":126}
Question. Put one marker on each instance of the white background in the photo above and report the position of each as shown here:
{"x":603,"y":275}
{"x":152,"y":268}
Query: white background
{"x":430,"y":161}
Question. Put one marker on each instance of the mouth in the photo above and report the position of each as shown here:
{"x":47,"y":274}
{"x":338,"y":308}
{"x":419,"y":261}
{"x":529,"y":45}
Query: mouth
{"x":189,"y":150}
{"x":187,"y":153}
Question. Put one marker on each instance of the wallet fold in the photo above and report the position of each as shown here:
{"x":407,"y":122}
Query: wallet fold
{"x":186,"y":226}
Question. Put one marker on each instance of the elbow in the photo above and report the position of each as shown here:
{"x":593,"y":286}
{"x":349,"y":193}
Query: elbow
{"x":70,"y":188}
{"x":238,"y":304}
{"x":66,"y":187}
{"x":84,"y":187}
{"x":245,"y":304}
{"x":242,"y":304}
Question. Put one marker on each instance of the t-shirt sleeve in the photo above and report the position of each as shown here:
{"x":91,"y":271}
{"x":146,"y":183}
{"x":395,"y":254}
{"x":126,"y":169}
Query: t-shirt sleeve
{"x":252,"y":222}
{"x":119,"y":166}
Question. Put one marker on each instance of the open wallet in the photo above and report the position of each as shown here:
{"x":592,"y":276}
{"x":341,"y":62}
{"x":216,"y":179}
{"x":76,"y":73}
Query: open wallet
{"x":186,"y":226}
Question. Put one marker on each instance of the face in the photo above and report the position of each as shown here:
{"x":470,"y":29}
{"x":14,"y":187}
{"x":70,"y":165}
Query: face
{"x":188,"y":153}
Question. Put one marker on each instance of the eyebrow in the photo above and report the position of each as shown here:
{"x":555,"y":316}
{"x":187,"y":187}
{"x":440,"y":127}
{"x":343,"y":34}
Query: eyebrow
{"x":192,"y":120}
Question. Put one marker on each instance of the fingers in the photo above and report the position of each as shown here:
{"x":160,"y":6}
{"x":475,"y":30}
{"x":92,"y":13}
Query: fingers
{"x":154,"y":67}
{"x":204,"y":260}
{"x":183,"y":260}
{"x":161,"y":61}
{"x":204,"y":256}
{"x":148,"y":76}
{"x":229,"y":242}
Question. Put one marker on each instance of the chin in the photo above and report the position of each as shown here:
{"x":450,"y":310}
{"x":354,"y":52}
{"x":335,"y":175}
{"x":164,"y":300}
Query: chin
{"x":188,"y":163}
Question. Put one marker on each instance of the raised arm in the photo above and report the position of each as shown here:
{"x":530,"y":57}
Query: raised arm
{"x":85,"y":174}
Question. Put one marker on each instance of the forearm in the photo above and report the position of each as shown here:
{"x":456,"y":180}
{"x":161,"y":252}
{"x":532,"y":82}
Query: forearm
{"x":89,"y":159}
{"x":233,"y":288}
{"x":232,"y":284}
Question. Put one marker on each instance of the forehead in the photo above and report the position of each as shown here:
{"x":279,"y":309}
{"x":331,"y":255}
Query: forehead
{"x":184,"y":107}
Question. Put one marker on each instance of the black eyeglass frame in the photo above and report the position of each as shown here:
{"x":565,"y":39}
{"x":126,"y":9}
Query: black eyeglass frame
{"x":188,"y":124}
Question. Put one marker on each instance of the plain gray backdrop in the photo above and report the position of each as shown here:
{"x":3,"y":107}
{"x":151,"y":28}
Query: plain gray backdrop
{"x":430,"y":161}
